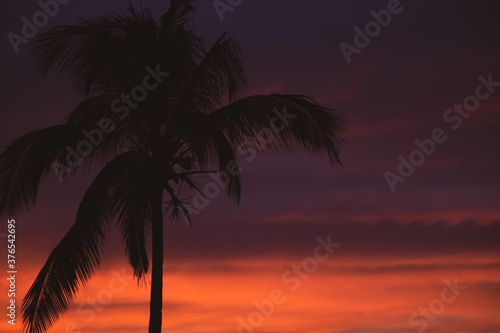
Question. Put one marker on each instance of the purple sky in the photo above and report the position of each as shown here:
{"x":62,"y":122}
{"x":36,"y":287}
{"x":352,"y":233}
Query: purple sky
{"x":395,"y":91}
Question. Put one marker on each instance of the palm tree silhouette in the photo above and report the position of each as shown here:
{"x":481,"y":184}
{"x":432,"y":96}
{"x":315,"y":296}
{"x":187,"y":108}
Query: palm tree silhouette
{"x":190,"y":123}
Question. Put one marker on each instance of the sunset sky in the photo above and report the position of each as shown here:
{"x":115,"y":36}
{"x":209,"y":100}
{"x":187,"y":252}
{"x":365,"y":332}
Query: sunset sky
{"x":398,"y":249}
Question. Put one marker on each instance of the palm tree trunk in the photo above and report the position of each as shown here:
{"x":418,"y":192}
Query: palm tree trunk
{"x":156,"y":301}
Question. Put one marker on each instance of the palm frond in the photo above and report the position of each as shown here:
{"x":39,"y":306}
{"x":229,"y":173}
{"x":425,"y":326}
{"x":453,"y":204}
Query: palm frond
{"x":219,"y":74}
{"x":52,"y":50}
{"x":211,"y":147}
{"x":122,"y":130}
{"x":76,"y":257}
{"x":132,"y":200}
{"x":293,"y":120}
{"x":26,"y":160}
{"x":104,"y":55}
{"x":177,"y":14}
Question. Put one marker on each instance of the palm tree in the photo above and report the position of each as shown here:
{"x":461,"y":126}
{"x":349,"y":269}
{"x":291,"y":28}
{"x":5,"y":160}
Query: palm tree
{"x":190,"y":123}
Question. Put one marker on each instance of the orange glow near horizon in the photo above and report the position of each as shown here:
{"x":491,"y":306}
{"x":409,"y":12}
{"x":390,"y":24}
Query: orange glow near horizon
{"x":344,"y":293}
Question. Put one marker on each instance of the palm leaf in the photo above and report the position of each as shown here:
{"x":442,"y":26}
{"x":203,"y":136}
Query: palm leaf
{"x":220,"y":73}
{"x":132,"y":207}
{"x":211,"y":147}
{"x":317,"y":129}
{"x":26,"y":160}
{"x":76,"y":257}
